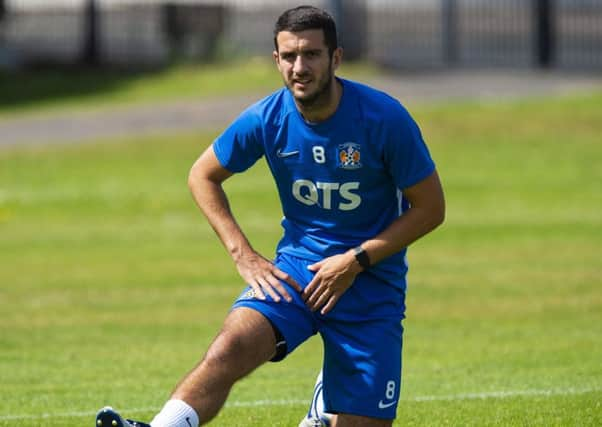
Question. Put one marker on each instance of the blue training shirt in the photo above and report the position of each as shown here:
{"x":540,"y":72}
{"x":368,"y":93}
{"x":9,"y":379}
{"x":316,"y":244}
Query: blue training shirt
{"x":339,"y":180}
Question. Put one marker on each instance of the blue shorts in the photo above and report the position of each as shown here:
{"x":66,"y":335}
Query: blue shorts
{"x":362,"y":338}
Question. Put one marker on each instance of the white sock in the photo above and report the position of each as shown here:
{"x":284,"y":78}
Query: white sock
{"x":176,"y":413}
{"x":316,"y":408}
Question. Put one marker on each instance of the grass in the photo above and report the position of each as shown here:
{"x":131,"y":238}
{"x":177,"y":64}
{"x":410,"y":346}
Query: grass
{"x":112,"y":285}
{"x":51,"y":91}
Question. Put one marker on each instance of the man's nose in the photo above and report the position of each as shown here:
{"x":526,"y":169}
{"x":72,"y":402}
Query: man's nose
{"x":299,"y":65}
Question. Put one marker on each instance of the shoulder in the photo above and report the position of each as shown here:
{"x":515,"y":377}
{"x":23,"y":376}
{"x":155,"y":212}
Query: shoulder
{"x":376,"y":105}
{"x":268,"y":110}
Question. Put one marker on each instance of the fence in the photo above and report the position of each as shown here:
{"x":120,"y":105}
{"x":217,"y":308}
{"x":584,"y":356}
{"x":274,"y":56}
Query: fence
{"x":400,"y":33}
{"x":513,"y":33}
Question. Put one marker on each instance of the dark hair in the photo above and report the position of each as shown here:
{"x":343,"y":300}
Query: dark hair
{"x":303,"y":18}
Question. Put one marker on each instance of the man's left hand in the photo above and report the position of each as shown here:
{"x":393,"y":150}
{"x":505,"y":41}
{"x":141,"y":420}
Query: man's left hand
{"x":334,"y":275}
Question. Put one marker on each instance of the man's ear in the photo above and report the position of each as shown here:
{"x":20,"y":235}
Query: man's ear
{"x":337,"y":58}
{"x":276,"y":58}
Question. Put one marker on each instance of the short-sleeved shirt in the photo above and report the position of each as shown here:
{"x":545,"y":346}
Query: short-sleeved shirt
{"x":340,"y":181}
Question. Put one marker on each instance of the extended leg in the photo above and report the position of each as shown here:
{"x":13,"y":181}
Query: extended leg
{"x":246,"y":341}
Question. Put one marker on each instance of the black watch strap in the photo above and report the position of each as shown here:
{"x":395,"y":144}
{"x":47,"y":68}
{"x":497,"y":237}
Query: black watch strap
{"x":362,"y":257}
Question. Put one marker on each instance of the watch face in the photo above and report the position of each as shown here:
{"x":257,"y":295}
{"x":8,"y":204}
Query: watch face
{"x":362,"y":257}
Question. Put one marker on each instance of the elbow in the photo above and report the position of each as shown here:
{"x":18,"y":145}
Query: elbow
{"x":440,"y":215}
{"x":203,"y":175}
{"x":437,"y":217}
{"x":192,"y":178}
{"x":195,"y":176}
{"x":440,"y":212}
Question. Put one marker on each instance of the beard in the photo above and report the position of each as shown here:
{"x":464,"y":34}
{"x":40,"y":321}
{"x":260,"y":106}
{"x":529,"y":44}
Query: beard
{"x":320,"y":96}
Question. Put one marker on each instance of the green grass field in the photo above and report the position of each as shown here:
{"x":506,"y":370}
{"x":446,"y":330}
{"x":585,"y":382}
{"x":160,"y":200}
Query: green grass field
{"x":112,"y":284}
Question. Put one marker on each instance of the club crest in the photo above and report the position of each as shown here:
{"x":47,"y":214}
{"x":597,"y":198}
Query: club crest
{"x":249,"y":294}
{"x":349,"y":156}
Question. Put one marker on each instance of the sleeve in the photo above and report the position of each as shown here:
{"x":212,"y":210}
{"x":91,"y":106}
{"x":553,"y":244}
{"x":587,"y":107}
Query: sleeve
{"x":406,"y":155}
{"x":241,"y":144}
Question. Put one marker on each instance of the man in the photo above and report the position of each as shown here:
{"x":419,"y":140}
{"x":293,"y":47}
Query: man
{"x":357,"y":186}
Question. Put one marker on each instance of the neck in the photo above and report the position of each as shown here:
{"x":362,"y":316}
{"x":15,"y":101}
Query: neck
{"x":323,"y":107}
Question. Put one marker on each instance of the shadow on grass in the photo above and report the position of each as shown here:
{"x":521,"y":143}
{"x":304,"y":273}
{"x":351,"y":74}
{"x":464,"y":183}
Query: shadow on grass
{"x":53,"y":85}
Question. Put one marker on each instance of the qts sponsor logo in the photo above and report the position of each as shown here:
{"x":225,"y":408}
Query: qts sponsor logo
{"x":327,"y":195}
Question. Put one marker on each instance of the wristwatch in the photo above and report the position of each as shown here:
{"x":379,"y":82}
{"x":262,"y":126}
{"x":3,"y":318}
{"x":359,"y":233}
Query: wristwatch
{"x":362,"y":257}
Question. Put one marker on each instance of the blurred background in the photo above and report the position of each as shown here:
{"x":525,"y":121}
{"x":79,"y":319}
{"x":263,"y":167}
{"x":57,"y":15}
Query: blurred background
{"x":66,"y":56}
{"x":564,"y":34}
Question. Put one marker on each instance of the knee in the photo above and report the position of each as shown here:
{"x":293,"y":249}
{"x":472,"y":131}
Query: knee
{"x":224,"y":350}
{"x":245,"y":342}
{"x":230,"y":357}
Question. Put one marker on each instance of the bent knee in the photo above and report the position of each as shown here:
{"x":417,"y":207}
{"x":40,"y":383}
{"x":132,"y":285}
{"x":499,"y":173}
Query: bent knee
{"x":225,"y":348}
{"x":235,"y":354}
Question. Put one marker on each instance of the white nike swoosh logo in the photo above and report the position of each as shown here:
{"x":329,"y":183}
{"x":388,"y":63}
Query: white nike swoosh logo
{"x":383,"y":405}
{"x":282,"y":154}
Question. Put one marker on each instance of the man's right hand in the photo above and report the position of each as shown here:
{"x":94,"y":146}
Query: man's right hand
{"x":264,"y":277}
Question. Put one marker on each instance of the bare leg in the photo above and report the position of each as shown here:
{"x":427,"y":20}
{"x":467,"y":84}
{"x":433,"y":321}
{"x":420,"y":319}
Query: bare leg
{"x":346,"y":420}
{"x":245,"y":342}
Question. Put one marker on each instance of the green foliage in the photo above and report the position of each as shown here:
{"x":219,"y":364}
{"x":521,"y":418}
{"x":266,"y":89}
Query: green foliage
{"x":112,"y":284}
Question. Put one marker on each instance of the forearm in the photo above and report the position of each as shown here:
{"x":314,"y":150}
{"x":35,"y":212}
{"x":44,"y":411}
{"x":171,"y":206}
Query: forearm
{"x":205,"y":183}
{"x":211,"y":199}
{"x":426,"y":212}
{"x":335,"y":274}
{"x":402,"y":232}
